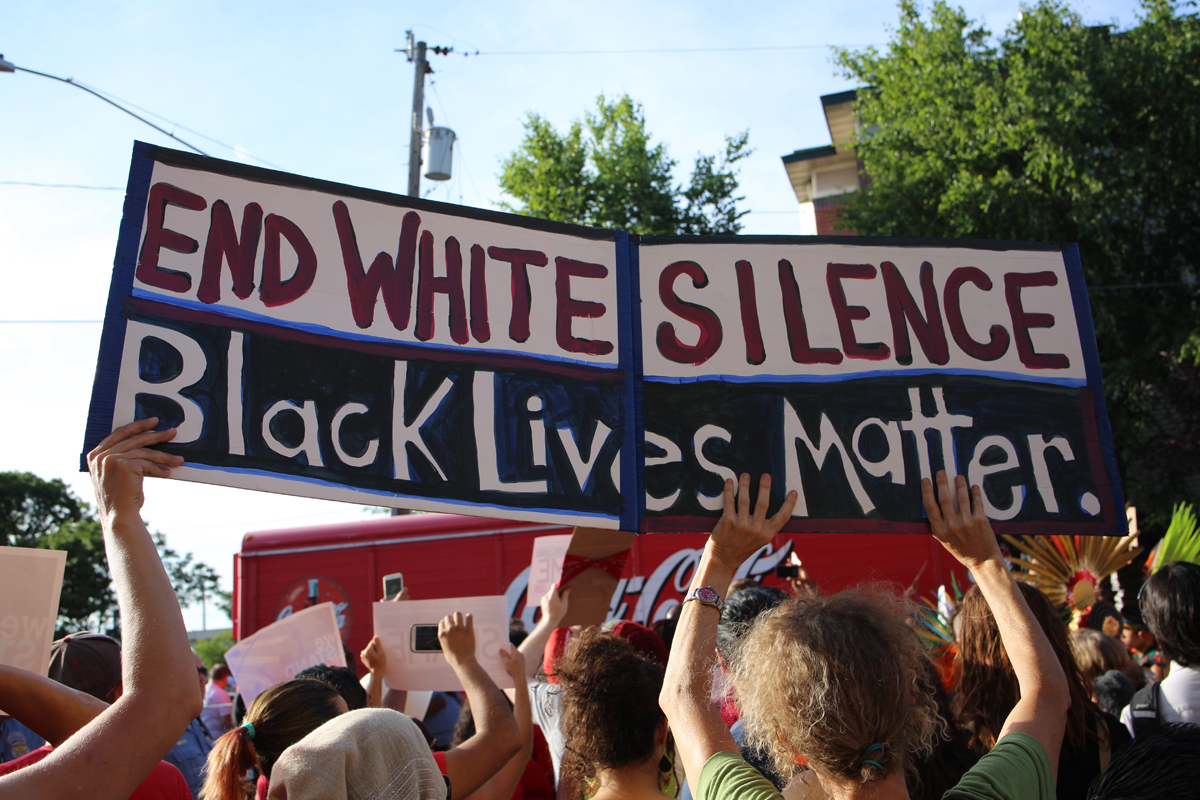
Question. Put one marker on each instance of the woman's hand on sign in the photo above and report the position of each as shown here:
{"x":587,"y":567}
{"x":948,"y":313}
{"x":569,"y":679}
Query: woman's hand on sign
{"x":514,"y":664}
{"x":121,"y":460}
{"x":739,"y":533}
{"x":555,"y":604}
{"x":965,"y":531}
{"x":456,"y":632}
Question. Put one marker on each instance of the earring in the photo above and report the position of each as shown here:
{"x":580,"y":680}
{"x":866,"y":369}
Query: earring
{"x":664,"y":764}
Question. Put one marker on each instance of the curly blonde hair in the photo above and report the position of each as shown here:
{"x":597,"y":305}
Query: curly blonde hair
{"x":841,"y":681}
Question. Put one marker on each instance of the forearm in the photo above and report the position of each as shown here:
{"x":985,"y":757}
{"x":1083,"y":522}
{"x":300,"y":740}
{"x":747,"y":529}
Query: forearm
{"x":491,"y":712}
{"x":374,"y":689}
{"x":687,"y":685}
{"x":502,"y":785}
{"x":49,"y":709}
{"x":535,"y":645}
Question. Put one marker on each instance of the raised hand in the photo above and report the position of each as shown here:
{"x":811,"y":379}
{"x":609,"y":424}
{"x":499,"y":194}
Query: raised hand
{"x":121,"y":460}
{"x":373,"y":656}
{"x":965,"y":531}
{"x":555,"y":604}
{"x":739,"y":533}
{"x":456,"y":632}
{"x":514,"y":664}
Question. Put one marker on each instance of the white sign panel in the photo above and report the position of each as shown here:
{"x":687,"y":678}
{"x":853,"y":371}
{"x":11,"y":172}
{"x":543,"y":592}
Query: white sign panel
{"x":280,"y":650}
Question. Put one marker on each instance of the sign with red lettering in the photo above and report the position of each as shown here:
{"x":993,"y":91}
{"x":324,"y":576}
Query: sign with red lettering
{"x":330,"y":341}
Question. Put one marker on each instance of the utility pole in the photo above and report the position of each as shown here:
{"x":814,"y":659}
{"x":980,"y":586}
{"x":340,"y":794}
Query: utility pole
{"x":416,"y":53}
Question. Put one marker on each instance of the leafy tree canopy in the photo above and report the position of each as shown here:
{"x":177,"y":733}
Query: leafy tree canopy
{"x":1055,"y":131}
{"x":604,"y":171}
{"x":47,"y":514}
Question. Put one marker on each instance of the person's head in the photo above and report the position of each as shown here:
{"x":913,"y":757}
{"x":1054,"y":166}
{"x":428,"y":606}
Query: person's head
{"x":610,"y":709}
{"x":1113,"y":690}
{"x":219,"y":675}
{"x":987,"y":687}
{"x":645,"y":641}
{"x":1170,"y":603}
{"x":89,"y":663}
{"x":1155,"y":765}
{"x":841,"y":682}
{"x":1096,"y":653}
{"x":1133,"y":633}
{"x":276,"y":720}
{"x":201,"y":672}
{"x":369,"y":754}
{"x":342,"y":679}
{"x":1105,"y":618}
{"x":740,"y":611}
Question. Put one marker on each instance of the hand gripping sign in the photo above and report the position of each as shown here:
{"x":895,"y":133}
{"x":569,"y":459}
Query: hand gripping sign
{"x":331,"y":341}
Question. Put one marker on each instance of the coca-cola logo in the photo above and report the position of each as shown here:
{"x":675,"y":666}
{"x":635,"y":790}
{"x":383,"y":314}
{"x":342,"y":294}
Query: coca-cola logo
{"x":646,"y":599}
{"x":313,"y":590}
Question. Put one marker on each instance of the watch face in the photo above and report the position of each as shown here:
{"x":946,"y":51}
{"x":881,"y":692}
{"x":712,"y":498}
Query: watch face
{"x":706,"y":594}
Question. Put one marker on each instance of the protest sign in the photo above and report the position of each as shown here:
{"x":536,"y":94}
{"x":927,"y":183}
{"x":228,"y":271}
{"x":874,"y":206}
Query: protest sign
{"x":592,"y":567}
{"x":280,"y":650}
{"x":325,"y":340}
{"x":413,"y":664}
{"x":30,"y":584}
{"x":545,"y":566}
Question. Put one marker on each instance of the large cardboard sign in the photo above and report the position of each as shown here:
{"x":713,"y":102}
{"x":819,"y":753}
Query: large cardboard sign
{"x":282,"y":649}
{"x":331,"y":341}
{"x":30,"y":585}
{"x":407,"y":668}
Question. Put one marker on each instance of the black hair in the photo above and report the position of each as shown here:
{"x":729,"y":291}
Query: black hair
{"x":1113,"y":692}
{"x":343,"y":679}
{"x":1155,"y":765}
{"x":1170,"y":605}
{"x":741,"y":609}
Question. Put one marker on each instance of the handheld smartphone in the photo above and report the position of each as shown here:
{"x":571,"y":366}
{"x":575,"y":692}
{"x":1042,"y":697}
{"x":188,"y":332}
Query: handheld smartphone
{"x":787,"y":571}
{"x":424,"y":639}
{"x":393,"y":585}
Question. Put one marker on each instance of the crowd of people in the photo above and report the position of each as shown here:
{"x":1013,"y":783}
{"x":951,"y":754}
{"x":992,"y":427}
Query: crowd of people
{"x":746,"y":692}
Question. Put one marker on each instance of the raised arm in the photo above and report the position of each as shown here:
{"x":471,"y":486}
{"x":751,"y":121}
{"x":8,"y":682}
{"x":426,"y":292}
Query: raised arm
{"x":159,"y":673}
{"x":687,"y":685}
{"x":554,"y":607}
{"x":497,"y":738}
{"x":504,"y":783}
{"x":967,"y":534}
{"x":49,"y":709}
{"x":375,"y":660}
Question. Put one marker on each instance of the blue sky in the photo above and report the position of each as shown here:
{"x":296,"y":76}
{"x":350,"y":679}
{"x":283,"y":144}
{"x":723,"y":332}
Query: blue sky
{"x":317,"y":89}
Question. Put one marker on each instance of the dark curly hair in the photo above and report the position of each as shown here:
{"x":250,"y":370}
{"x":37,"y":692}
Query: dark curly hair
{"x":610,"y":705}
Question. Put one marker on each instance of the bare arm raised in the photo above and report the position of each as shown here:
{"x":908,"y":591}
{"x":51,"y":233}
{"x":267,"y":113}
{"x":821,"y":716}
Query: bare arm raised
{"x":967,"y":534}
{"x":687,"y":685}
{"x":497,"y":738}
{"x":159,"y":673}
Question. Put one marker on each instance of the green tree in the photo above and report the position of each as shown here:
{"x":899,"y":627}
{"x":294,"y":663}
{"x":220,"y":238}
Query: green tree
{"x":212,"y":650}
{"x":604,"y":171}
{"x":47,"y":514}
{"x":1054,"y":131}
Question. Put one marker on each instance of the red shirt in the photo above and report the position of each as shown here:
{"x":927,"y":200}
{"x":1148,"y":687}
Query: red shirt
{"x":165,"y":781}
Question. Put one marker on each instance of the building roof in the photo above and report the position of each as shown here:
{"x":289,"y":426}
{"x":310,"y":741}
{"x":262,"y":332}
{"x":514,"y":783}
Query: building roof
{"x":827,"y":170}
{"x":810,"y":154}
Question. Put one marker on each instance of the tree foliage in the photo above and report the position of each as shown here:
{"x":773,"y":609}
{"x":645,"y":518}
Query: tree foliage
{"x":604,"y":171}
{"x":47,"y":514}
{"x":1054,"y":131}
{"x":212,"y":650}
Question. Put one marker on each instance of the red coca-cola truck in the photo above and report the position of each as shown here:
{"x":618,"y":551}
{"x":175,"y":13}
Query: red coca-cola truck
{"x":446,"y":555}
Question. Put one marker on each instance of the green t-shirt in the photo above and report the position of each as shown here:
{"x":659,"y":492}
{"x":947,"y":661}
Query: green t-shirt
{"x":727,"y":776}
{"x":1017,"y":768}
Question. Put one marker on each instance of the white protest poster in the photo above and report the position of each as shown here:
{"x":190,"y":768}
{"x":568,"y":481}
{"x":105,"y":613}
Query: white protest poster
{"x":280,"y":650}
{"x":402,"y":625}
{"x":30,"y":584}
{"x":545,"y":566}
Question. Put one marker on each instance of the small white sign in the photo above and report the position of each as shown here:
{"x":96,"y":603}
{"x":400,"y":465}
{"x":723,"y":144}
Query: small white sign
{"x":396,"y":624}
{"x":545,"y":567}
{"x":30,"y":584}
{"x":280,"y":650}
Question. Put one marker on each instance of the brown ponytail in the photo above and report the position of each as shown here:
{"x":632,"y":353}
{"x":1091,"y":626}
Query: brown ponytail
{"x":279,"y":717}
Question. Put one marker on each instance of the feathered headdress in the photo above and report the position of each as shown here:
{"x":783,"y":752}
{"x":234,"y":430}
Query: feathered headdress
{"x":1067,"y":568}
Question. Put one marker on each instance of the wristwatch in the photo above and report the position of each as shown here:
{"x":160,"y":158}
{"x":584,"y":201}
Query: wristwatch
{"x":705,"y":595}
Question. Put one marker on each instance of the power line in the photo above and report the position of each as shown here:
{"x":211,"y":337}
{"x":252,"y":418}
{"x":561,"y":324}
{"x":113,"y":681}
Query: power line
{"x":660,"y":51}
{"x":113,"y":103}
{"x":50,"y":321}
